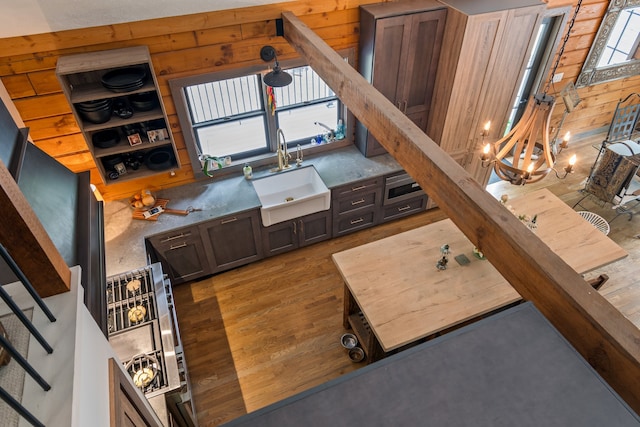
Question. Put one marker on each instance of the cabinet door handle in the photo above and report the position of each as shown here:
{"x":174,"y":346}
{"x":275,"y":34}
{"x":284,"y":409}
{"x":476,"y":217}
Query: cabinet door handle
{"x":177,"y":236}
{"x":226,"y":221}
{"x":362,"y":187}
{"x":356,"y":221}
{"x":301,"y":226}
{"x":404,"y":110}
{"x":404,"y":208}
{"x":357,"y":202}
{"x":295,"y":227}
{"x":177,"y":247}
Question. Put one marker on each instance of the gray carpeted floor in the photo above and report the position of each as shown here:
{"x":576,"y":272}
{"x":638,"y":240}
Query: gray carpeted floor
{"x":12,"y":375}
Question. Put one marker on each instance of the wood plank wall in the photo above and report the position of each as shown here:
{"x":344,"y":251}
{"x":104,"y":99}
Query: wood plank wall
{"x":201,"y":43}
{"x":599,"y":101}
{"x":180,"y":47}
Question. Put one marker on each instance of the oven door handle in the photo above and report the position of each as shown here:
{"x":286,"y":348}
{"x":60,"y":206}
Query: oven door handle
{"x":398,"y":180}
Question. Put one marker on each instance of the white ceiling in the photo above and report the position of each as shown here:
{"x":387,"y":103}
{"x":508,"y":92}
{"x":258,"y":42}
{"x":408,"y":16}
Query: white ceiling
{"x":26,"y":17}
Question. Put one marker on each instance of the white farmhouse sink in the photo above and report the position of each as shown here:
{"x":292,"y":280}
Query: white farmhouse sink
{"x":291,"y":194}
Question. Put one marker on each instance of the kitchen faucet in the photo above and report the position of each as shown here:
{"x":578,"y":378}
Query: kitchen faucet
{"x":283,"y":153}
{"x":332,"y":134}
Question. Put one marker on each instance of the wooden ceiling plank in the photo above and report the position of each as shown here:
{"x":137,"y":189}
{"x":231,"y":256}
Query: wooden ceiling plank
{"x":609,"y":341}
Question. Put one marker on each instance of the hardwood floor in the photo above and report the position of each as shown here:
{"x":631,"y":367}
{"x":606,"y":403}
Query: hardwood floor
{"x":271,"y":329}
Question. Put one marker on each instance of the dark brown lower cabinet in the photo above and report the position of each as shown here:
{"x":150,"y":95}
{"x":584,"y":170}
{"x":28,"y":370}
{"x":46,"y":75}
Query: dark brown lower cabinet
{"x":299,"y":232}
{"x":197,"y":251}
{"x":127,"y":408}
{"x":181,"y":253}
{"x":355,"y":205}
{"x":232,"y":240}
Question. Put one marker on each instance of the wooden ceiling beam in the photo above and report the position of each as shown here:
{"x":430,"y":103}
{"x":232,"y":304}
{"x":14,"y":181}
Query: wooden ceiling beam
{"x":609,"y":341}
{"x":28,"y":243}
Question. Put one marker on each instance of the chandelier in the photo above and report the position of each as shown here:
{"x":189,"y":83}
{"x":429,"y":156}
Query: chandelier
{"x":527,"y":153}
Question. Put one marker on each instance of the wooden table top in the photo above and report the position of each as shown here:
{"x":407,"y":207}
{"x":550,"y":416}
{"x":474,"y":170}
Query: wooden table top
{"x":404,"y":297}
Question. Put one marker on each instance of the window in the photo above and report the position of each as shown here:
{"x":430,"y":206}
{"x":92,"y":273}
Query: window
{"x":228,"y":116}
{"x":306,"y":101}
{"x":532,"y":77}
{"x":231,"y":116}
{"x":622,"y":42}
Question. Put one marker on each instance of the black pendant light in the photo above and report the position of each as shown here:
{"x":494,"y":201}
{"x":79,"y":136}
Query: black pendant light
{"x":277,"y":77}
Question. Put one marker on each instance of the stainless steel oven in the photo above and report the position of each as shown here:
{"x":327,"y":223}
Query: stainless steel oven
{"x":400,"y":187}
{"x":144,"y":333}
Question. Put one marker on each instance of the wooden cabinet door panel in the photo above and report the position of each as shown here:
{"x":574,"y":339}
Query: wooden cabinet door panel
{"x":421,"y":66}
{"x":233,"y":241}
{"x":314,"y":228}
{"x":399,"y":55}
{"x":290,"y":235}
{"x":389,"y":57}
{"x":126,"y":406}
{"x":280,"y":238}
{"x":181,"y":253}
{"x":186,"y":261}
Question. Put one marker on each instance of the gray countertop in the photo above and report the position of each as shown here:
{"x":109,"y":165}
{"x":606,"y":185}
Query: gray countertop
{"x":218,"y":197}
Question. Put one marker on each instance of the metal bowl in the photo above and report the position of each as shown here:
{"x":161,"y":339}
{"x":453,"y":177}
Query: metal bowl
{"x":356,"y":354}
{"x":349,"y":341}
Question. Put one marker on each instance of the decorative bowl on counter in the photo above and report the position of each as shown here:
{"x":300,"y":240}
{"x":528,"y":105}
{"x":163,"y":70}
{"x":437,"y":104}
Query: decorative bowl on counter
{"x":142,"y":201}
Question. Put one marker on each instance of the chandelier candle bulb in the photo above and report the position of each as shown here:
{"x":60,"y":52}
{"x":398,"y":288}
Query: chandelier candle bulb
{"x":572,"y":162}
{"x":565,"y":140}
{"x":485,"y":152}
{"x":486,"y":128}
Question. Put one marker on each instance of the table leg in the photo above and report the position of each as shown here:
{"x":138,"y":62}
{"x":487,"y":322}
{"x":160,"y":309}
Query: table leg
{"x":350,"y":307}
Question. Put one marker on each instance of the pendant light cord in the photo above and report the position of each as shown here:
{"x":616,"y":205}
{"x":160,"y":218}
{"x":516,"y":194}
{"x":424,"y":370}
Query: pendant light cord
{"x":561,"y":51}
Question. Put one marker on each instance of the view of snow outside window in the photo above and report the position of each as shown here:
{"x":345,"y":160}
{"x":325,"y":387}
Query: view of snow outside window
{"x":230,"y":116}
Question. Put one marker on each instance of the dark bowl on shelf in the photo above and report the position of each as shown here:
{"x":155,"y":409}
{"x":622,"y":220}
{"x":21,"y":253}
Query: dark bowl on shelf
{"x":98,"y":104}
{"x":110,"y":162}
{"x":122,"y":109}
{"x":146,"y":101}
{"x":158,"y":159}
{"x":97,"y":116}
{"x":106,"y":138}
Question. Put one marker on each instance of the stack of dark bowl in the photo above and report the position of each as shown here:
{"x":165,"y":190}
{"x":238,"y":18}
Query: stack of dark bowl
{"x":124,"y":79}
{"x":98,"y":111}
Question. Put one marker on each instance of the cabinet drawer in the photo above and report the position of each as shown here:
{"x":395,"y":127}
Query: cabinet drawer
{"x":357,"y":188}
{"x":356,"y":201}
{"x":359,"y":220}
{"x":181,"y":254}
{"x":404,"y":208}
{"x":173,"y":238}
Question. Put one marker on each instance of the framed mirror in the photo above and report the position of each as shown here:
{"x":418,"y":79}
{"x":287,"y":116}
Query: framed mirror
{"x":615,"y":52}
